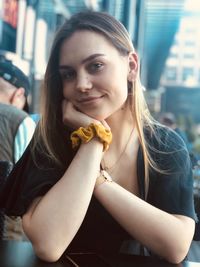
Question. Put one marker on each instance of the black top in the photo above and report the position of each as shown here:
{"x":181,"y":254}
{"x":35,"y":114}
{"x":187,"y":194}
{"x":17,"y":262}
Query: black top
{"x":171,"y":191}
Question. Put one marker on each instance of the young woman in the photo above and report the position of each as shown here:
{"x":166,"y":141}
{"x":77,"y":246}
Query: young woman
{"x":126,"y":184}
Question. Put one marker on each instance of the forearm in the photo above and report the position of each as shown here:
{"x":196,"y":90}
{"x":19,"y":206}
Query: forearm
{"x":54,"y":221}
{"x":163,"y":233}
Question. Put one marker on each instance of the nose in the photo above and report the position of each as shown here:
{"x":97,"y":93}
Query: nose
{"x":83,"y":82}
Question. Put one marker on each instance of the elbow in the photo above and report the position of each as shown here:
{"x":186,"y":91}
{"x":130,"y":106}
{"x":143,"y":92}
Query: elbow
{"x":47,"y":253}
{"x":176,"y":248}
{"x":176,"y":255}
{"x":47,"y":249}
{"x":176,"y":259}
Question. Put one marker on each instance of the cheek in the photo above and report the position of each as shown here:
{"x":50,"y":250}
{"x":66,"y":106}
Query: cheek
{"x":67,"y":93}
{"x":121,"y":90}
{"x":122,"y":96}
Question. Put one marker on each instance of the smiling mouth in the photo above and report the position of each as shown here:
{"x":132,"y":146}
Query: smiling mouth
{"x":89,"y":99}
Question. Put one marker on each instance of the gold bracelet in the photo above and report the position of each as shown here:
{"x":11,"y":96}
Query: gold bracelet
{"x":102,"y":178}
{"x":84,"y":135}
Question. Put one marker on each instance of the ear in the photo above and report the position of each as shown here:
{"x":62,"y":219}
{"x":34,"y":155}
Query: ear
{"x":133,"y":66}
{"x":18,"y":98}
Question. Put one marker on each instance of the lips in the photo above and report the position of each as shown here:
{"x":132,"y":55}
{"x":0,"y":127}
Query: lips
{"x":88,"y":99}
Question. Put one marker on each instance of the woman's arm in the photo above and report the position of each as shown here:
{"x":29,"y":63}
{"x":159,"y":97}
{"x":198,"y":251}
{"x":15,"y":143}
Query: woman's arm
{"x":167,"y":235}
{"x":53,"y":220}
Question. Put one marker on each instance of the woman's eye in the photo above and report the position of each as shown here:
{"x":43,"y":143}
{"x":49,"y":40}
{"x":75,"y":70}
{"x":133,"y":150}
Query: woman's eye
{"x":68,"y":75}
{"x":95,"y":66}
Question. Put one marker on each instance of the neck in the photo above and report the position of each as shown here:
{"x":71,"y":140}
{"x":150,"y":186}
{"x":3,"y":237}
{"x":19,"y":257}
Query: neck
{"x":121,"y":124}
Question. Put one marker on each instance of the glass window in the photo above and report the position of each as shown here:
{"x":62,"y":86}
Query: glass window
{"x":171,"y":73}
{"x":187,"y":73}
{"x":189,"y":43}
{"x":188,"y":55}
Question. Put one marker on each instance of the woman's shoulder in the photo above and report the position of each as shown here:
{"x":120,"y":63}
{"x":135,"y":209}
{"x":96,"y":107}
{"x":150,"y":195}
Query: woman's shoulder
{"x":167,"y":149}
{"x":171,"y":185}
{"x":164,"y":138}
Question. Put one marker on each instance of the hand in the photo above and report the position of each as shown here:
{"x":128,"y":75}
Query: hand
{"x":75,"y":118}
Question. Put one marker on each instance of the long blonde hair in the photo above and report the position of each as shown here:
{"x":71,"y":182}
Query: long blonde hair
{"x":50,"y":131}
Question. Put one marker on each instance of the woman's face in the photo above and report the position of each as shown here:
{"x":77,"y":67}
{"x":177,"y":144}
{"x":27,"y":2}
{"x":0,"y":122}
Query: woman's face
{"x":94,"y":74}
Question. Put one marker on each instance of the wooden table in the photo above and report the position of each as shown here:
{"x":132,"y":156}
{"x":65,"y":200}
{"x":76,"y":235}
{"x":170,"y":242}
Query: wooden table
{"x":21,"y":254}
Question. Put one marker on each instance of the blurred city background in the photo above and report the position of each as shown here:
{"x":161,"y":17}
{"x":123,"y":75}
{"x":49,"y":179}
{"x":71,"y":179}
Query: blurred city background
{"x":166,"y":35}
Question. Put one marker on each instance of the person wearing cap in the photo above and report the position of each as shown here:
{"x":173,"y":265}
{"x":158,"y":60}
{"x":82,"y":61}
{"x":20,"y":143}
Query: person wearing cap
{"x":16,"y":126}
{"x":14,"y":89}
{"x":15,"y":85}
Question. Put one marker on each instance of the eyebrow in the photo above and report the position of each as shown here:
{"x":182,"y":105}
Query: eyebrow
{"x":84,"y":60}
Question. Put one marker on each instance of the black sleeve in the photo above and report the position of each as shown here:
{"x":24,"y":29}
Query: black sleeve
{"x":26,"y":182}
{"x":172,"y":190}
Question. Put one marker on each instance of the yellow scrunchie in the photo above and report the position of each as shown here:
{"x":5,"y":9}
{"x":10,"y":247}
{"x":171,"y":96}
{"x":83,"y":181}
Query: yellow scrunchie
{"x":84,"y":135}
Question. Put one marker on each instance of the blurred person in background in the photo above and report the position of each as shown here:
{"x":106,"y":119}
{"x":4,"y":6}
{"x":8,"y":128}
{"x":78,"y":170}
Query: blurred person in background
{"x":15,"y":86}
{"x":16,"y":126}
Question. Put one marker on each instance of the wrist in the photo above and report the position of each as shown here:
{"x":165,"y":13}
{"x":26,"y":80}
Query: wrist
{"x":94,"y":142}
{"x":103,"y":177}
{"x":91,"y":132}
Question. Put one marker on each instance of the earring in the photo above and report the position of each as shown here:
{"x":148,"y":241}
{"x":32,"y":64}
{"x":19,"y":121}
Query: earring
{"x":130,"y":86}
